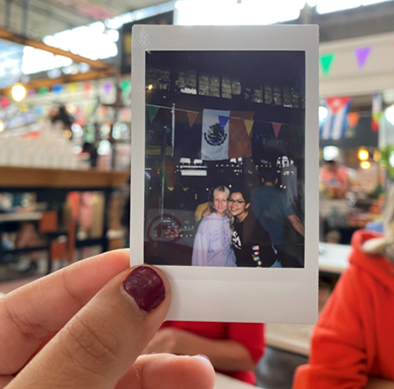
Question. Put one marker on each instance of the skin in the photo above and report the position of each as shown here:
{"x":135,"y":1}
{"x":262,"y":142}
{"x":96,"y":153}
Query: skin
{"x":220,"y":203}
{"x":225,"y":355}
{"x":78,"y":328}
{"x":239,"y":211}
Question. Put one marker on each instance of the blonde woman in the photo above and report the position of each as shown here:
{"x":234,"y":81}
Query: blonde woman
{"x":212,"y":244}
{"x":353,"y":341}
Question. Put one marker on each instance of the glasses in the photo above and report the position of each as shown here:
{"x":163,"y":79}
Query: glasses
{"x":236,"y":201}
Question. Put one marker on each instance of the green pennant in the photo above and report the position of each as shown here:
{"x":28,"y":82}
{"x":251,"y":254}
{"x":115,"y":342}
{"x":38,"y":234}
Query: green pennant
{"x":326,"y":61}
{"x":152,"y":111}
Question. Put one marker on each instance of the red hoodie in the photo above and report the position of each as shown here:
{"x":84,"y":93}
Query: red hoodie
{"x":354,"y":336}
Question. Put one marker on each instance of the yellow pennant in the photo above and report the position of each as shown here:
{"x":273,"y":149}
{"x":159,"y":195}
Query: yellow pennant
{"x":248,"y":125}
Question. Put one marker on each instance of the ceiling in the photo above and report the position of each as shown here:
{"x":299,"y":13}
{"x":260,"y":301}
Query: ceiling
{"x":46,"y":17}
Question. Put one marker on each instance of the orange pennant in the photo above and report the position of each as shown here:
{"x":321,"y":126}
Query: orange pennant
{"x":192,"y":116}
{"x":277,"y":127}
{"x":352,"y":119}
{"x":248,"y":125}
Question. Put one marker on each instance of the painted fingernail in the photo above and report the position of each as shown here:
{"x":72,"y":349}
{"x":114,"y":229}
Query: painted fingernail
{"x":146,"y":287}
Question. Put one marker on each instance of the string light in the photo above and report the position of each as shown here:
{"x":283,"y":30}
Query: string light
{"x":1,"y":126}
{"x":18,"y":92}
{"x":365,"y":165}
{"x":363,"y":155}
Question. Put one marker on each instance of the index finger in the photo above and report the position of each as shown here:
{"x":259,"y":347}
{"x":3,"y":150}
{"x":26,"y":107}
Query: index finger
{"x":29,"y":314}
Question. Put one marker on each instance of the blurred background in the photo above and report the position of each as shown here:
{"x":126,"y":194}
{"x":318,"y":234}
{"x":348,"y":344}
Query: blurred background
{"x":65,"y":114}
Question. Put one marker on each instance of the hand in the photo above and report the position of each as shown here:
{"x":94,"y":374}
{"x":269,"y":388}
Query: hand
{"x":207,"y":211}
{"x":166,"y":340}
{"x":85,"y":327}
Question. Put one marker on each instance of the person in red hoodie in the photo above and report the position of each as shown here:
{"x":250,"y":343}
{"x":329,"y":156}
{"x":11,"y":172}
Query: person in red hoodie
{"x":352,"y":344}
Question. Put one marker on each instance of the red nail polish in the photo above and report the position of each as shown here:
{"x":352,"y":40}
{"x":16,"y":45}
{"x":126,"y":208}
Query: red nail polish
{"x":146,"y":287}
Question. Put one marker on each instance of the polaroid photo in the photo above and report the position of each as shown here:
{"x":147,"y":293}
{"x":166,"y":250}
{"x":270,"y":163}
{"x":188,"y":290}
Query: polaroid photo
{"x":224,"y":175}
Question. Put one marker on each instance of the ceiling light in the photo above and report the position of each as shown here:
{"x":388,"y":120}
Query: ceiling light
{"x":18,"y":92}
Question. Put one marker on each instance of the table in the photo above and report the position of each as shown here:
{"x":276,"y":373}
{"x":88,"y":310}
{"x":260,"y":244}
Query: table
{"x":52,"y":186}
{"x":293,"y":338}
{"x":225,"y":382}
{"x":20,"y":217}
{"x":333,"y":258}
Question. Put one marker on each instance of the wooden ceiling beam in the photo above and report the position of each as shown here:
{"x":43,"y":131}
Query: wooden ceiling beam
{"x":23,"y":40}
{"x":65,"y":79}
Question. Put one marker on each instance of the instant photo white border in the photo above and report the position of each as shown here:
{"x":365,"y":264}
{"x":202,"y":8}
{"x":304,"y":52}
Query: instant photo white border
{"x":269,"y":295}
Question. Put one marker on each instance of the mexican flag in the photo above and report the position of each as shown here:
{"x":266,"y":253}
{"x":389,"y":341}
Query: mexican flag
{"x":226,"y":134}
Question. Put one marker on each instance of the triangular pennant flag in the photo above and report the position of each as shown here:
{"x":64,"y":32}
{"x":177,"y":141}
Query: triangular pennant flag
{"x":223,"y":121}
{"x":362,"y":55}
{"x":352,"y":119}
{"x":192,"y":116}
{"x":326,"y":61}
{"x":248,"y":125}
{"x":277,"y":127}
{"x":152,"y":111}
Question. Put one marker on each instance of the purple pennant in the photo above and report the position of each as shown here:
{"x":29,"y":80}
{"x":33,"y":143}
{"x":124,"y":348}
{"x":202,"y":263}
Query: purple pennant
{"x":107,"y":87}
{"x":362,"y":55}
{"x":223,"y":121}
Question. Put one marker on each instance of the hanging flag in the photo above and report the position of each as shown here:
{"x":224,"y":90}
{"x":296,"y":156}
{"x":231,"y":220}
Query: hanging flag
{"x":215,"y":135}
{"x":87,"y":88}
{"x":125,"y":85}
{"x":152,"y":111}
{"x":362,"y":55}
{"x":248,"y":125}
{"x":107,"y":87}
{"x":192,"y":116}
{"x":334,"y":125}
{"x":57,"y":88}
{"x":326,"y":61}
{"x":352,"y":119}
{"x":240,"y":141}
{"x":4,"y":102}
{"x":73,"y":87}
{"x":43,"y":90}
{"x":377,"y":111}
{"x":276,"y":127}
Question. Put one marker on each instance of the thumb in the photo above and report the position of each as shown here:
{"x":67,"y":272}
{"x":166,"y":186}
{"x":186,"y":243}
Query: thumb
{"x":101,"y":342}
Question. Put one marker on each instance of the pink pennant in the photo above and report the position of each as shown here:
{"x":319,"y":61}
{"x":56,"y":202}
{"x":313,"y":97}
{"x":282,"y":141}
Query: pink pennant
{"x":277,"y":127}
{"x":362,"y":55}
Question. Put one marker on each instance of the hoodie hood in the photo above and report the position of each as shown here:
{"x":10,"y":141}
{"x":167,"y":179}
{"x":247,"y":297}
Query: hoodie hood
{"x":376,"y":266}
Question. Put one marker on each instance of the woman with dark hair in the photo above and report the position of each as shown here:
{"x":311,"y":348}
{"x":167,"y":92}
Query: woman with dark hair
{"x":251,"y":242}
{"x":212,"y":244}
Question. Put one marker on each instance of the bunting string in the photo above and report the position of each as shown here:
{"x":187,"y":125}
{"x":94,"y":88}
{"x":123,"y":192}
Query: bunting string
{"x":150,"y":107}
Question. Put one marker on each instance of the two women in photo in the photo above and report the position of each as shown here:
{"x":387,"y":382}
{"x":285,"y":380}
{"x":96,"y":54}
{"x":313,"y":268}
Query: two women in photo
{"x":230,"y":234}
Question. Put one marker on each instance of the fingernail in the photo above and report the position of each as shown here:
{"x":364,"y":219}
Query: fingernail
{"x":203,"y":356}
{"x":146,"y":287}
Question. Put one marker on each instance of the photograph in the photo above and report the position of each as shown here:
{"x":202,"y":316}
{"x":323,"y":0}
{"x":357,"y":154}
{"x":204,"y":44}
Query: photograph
{"x":225,"y":158}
